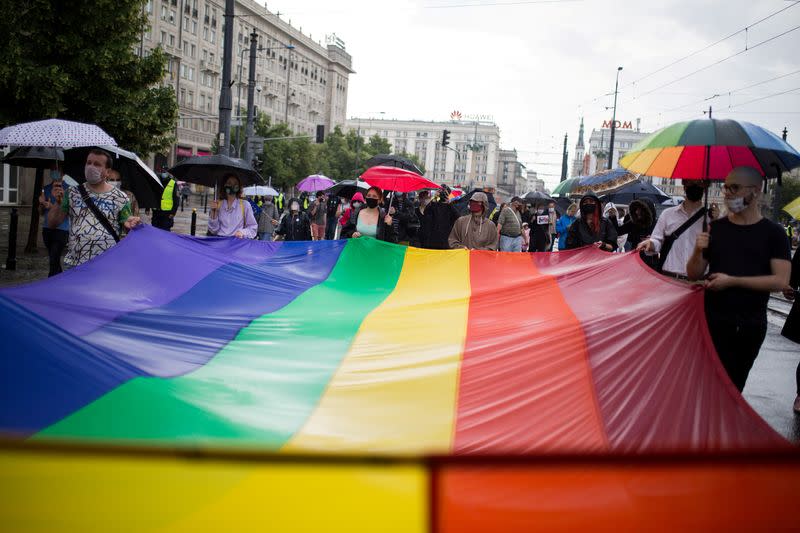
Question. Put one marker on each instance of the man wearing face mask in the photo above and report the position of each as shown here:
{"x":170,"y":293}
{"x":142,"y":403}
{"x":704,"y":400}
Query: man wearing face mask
{"x":676,"y":231}
{"x":295,"y":226}
{"x":747,"y":257}
{"x":97,"y":211}
{"x":55,"y":239}
{"x":475,"y":231}
{"x":164,"y":216}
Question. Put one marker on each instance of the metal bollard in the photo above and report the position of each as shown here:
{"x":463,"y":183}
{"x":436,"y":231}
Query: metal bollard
{"x":11,"y":260}
{"x":194,"y":221}
{"x":205,"y":202}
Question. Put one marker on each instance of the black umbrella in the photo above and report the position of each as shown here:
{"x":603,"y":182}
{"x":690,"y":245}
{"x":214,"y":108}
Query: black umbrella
{"x":136,"y":176}
{"x":392,"y":160}
{"x":347,"y":188}
{"x":33,"y":157}
{"x":208,"y":170}
{"x":636,"y":190}
{"x":462,"y":202}
{"x":536,"y":197}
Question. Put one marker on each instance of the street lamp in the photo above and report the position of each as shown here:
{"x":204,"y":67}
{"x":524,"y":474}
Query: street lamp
{"x":613,"y":123}
{"x":239,"y":92}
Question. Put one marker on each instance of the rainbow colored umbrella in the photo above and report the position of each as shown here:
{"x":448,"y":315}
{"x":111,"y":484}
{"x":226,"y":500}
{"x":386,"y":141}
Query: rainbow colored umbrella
{"x":604,"y":181}
{"x":708,"y":149}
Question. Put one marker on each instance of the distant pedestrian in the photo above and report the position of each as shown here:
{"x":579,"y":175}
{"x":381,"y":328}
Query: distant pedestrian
{"x":268,"y":219}
{"x":747,"y":257}
{"x":295,"y":225}
{"x":437,"y":221}
{"x":233,"y":216}
{"x":403,"y":218}
{"x":509,"y":226}
{"x":563,"y":224}
{"x":475,"y":231}
{"x":551,"y":212}
{"x":638,"y":224}
{"x":115,"y":179}
{"x":539,"y":230}
{"x":318,"y":214}
{"x":97,"y":211}
{"x":164,"y":216}
{"x":186,"y":190}
{"x":591,"y":229}
{"x":355,"y":204}
{"x":55,"y":239}
{"x":333,"y":210}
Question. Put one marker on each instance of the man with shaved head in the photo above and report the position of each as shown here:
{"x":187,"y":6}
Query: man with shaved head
{"x":747,"y":257}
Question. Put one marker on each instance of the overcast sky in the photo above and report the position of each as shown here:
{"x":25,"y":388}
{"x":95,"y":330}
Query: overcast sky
{"x":537,"y":67}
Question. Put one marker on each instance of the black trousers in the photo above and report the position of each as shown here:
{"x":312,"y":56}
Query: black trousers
{"x":55,"y":240}
{"x":330,"y":228}
{"x":161,"y":220}
{"x":738,"y":347}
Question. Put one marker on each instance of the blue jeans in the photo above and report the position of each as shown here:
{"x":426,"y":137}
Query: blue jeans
{"x":510,"y":244}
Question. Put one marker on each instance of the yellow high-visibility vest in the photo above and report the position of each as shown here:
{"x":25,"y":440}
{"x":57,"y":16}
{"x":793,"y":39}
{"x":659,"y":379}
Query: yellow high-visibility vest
{"x":166,"y":196}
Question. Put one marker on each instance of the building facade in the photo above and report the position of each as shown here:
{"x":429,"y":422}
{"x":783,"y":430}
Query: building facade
{"x":470,"y":161}
{"x":535,"y":183}
{"x":510,"y":180}
{"x":625,"y":136}
{"x":299,"y":81}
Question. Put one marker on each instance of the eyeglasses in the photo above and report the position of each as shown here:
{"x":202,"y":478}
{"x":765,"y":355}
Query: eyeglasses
{"x":734,"y":188}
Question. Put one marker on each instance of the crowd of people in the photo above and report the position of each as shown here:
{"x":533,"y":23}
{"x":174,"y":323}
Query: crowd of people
{"x":739,"y":256}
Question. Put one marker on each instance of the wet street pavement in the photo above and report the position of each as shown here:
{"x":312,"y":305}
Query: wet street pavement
{"x":771,"y":388}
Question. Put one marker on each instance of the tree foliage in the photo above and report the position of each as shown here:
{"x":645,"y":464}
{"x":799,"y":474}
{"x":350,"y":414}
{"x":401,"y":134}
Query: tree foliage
{"x":76,"y":60}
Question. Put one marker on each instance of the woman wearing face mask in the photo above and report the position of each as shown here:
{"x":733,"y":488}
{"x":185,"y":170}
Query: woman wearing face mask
{"x":371,"y":220}
{"x":355,"y":204}
{"x":115,"y":180}
{"x":233,"y":216}
{"x":295,"y":225}
{"x":591,"y":228}
{"x":474,"y":231}
{"x":539,"y":230}
{"x":268,"y":219}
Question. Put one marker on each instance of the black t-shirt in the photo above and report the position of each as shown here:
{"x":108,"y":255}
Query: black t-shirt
{"x":742,"y":251}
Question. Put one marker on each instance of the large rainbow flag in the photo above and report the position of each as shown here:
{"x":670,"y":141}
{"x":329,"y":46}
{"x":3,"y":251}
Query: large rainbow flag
{"x":354,"y":349}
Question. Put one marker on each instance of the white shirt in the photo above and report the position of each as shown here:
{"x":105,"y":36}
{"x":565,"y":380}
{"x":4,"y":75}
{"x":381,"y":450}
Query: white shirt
{"x":670,"y":220}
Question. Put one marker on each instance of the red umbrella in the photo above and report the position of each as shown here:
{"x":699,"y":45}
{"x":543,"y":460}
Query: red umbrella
{"x":396,"y":179}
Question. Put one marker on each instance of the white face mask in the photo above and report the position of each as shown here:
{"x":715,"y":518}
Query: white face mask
{"x":93,"y":174}
{"x":116,"y":184}
{"x":736,"y":204}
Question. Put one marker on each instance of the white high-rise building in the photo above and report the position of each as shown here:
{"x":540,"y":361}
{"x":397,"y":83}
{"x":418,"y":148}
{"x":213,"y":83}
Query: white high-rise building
{"x":625,"y":136}
{"x":470,"y":160}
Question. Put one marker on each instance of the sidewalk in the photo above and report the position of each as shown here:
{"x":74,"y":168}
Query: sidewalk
{"x":34,"y":266}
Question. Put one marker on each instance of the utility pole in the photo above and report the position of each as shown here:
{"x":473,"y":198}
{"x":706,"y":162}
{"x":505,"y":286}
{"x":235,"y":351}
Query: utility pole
{"x":251,"y":90}
{"x":288,"y":75}
{"x":613,"y":123}
{"x":225,"y":98}
{"x":564,"y":160}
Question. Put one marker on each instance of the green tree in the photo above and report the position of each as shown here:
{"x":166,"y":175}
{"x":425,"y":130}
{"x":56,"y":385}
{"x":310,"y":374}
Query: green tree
{"x":76,"y":60}
{"x":285,"y":161}
{"x":790,"y":189}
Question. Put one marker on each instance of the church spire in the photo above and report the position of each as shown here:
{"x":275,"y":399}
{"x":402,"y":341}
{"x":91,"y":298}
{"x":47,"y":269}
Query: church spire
{"x":580,"y":136}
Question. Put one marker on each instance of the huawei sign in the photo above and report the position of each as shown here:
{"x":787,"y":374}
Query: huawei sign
{"x":455,"y":115}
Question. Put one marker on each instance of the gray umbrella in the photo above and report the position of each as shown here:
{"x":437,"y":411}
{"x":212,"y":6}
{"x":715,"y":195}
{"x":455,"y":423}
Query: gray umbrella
{"x":33,"y":157}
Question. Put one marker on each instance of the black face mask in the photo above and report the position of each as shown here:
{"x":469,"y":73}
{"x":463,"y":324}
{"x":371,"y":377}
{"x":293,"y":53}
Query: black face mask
{"x":694,"y":193}
{"x":372,"y":203}
{"x":588,"y":209}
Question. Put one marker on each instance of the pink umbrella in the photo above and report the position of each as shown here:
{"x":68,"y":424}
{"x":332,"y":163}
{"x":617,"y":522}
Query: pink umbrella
{"x":396,"y":179}
{"x":315,"y":182}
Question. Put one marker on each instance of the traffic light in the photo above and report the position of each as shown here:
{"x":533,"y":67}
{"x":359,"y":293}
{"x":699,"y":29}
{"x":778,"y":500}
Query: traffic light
{"x":320,"y":133}
{"x":445,"y":137}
